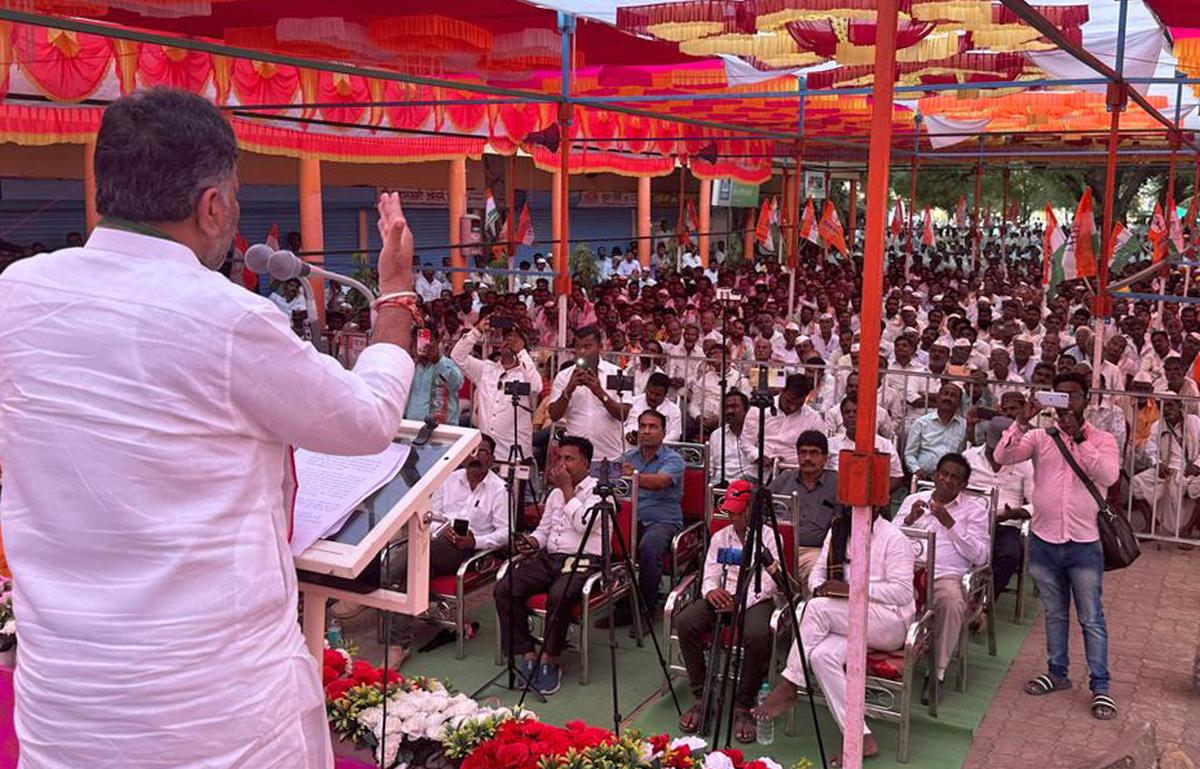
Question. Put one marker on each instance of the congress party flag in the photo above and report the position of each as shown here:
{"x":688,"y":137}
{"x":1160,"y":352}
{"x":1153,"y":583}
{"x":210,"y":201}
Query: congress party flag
{"x":1124,"y":247}
{"x":525,"y":234}
{"x":491,"y":214}
{"x":1053,"y":242}
{"x":898,"y":219}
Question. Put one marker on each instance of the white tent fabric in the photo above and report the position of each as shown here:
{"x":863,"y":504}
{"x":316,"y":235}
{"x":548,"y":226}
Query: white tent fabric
{"x":1142,"y":52}
{"x":946,"y":132}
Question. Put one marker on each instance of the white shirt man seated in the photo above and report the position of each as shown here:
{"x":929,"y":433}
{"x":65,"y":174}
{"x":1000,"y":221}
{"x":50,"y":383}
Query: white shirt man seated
{"x":963,"y":543}
{"x":472,"y":495}
{"x":716,"y":604}
{"x":791,"y":418}
{"x":845,"y":440}
{"x":824,"y":620}
{"x":655,"y":398}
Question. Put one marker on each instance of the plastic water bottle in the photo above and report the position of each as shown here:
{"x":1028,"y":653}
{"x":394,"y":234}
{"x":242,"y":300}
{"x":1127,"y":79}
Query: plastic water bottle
{"x":765,"y":728}
{"x":333,"y":634}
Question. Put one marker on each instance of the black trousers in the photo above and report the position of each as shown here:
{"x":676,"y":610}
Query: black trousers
{"x":1006,"y":556}
{"x":698,"y":619}
{"x":444,"y":559}
{"x":542,"y":573}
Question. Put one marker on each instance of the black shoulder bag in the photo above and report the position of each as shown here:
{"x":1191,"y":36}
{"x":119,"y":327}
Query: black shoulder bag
{"x":1116,"y":535}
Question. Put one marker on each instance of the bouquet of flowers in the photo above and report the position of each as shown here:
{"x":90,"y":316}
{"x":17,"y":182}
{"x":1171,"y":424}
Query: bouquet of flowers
{"x":404,"y":721}
{"x":8,"y":622}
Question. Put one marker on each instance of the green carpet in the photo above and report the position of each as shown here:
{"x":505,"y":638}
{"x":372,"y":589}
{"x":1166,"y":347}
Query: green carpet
{"x":935,"y":742}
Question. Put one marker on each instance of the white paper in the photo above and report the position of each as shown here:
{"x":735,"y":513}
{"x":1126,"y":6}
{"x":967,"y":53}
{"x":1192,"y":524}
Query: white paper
{"x":330,"y":487}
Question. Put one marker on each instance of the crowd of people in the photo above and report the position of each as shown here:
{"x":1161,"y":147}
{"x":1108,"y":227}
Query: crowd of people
{"x":978,"y":365}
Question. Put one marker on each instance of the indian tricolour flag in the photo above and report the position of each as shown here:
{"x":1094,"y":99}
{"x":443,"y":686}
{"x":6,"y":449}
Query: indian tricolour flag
{"x":1124,"y":247}
{"x":1053,"y":241}
{"x":491,"y":214}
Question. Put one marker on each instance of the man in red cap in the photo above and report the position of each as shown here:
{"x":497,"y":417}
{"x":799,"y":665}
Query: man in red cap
{"x":698,"y":620}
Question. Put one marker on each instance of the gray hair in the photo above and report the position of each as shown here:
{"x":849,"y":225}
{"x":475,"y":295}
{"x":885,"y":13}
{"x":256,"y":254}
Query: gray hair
{"x":156,"y":153}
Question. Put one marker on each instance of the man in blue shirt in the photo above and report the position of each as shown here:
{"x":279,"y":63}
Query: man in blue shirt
{"x":660,"y":510}
{"x":435,"y":386}
{"x":936,"y":434}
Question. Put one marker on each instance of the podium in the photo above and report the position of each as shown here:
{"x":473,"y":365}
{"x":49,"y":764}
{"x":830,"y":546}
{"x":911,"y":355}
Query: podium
{"x":340,"y":565}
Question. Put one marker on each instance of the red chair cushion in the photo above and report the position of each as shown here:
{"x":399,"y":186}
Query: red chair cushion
{"x":533,"y":515}
{"x":921,"y":587}
{"x":694,"y":488}
{"x":889,"y":665}
{"x":444,"y":585}
{"x":538,"y":603}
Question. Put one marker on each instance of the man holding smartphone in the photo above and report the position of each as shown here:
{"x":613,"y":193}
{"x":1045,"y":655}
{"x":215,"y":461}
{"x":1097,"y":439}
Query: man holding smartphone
{"x":1066,"y":559}
{"x":474,"y":502}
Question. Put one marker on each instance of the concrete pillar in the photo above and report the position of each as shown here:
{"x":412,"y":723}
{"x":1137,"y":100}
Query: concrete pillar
{"x":705,"y":220}
{"x":312,"y":226}
{"x":90,"y":216}
{"x":748,"y":236}
{"x":645,"y":244}
{"x":458,"y":209}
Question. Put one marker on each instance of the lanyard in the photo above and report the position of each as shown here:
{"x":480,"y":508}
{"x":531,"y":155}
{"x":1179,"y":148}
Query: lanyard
{"x":140,"y":228}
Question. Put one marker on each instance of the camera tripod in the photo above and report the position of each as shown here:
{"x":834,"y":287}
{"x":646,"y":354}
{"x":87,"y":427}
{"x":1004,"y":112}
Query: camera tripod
{"x":755,"y":558}
{"x":516,"y":458}
{"x":605,"y":511}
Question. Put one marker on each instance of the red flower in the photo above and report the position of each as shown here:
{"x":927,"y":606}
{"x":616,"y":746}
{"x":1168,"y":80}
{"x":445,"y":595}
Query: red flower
{"x":338,"y":689}
{"x":335,"y":660}
{"x":736,"y":756}
{"x":659,"y":742}
{"x":756,"y":764}
{"x":392,"y":676}
{"x":365,"y":673}
{"x":329,"y":675}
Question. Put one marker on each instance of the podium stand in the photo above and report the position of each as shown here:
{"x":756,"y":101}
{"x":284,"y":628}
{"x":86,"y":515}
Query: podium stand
{"x":333,"y":566}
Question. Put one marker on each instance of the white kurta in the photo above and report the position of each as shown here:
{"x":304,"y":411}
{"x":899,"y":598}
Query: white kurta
{"x":146,"y":406}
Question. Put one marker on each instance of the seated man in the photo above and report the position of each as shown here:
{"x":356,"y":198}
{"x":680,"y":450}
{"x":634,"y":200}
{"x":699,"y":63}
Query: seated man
{"x":962,"y":529}
{"x":1170,"y":488}
{"x":824,"y":620}
{"x":793,"y":418}
{"x":845,"y":440}
{"x":733,"y":451}
{"x":556,"y":540}
{"x":1014,"y":490}
{"x":718,"y":588}
{"x":472,"y":493}
{"x":936,"y":434}
{"x":655,"y":398}
{"x":816,"y":490}
{"x":660,"y":510}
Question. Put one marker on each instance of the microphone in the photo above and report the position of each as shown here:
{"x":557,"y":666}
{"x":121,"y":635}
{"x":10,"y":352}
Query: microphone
{"x":728,"y":556}
{"x":257,"y":257}
{"x":284,"y":265}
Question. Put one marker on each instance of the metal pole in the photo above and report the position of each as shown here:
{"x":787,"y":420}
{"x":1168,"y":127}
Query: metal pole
{"x":912,"y":196}
{"x":1116,"y":103}
{"x":975,"y":233}
{"x":1004,"y":221}
{"x":566,"y":28}
{"x":879,"y":162}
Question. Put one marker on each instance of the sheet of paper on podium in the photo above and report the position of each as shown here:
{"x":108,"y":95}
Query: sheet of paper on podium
{"x":330,"y":487}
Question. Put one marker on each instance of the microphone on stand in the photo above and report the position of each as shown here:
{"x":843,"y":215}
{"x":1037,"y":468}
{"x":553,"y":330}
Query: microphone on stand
{"x":257,"y":258}
{"x":284,"y":265}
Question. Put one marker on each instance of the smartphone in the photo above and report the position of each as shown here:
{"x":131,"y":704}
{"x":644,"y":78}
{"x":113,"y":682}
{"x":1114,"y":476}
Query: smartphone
{"x":581,"y":363}
{"x":1052,"y":399}
{"x":461,"y":527}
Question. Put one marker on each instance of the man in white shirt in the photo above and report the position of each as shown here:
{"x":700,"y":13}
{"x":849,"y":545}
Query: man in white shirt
{"x":824,"y":620}
{"x":289,"y":299}
{"x":545,"y":566}
{"x":579,"y":398}
{"x":1014,"y":487}
{"x":493,"y":406}
{"x":963,"y":542}
{"x":145,"y":478}
{"x":655,"y":399}
{"x":685,"y":369}
{"x":629,"y":266}
{"x":427,"y":286}
{"x":791,"y":418}
{"x":705,"y":405}
{"x":732,"y":450}
{"x":844,"y":440}
{"x":718,"y":586}
{"x":472,"y":494}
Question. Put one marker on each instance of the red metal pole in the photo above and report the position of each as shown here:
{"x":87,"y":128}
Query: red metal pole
{"x":562,"y":283}
{"x":865,"y":488}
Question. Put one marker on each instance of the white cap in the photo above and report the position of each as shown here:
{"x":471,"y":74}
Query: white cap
{"x":944,"y":341}
{"x":856,"y":347}
{"x":1143,"y":377}
{"x":908,"y":308}
{"x":1025,"y":338}
{"x":961,"y":342}
{"x":803,"y":339}
{"x":793,"y":326}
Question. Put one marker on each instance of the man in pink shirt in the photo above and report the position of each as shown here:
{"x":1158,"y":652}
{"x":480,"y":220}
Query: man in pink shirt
{"x":1065,"y":555}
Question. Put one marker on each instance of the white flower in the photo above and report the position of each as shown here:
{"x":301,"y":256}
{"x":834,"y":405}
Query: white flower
{"x":438,"y":732}
{"x":717,"y":761}
{"x":9,"y":628}
{"x":695,"y":744}
{"x":646,"y":751}
{"x":770,"y":763}
{"x":415,"y":727}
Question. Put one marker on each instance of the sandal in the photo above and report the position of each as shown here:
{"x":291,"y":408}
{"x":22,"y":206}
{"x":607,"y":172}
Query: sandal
{"x":689,"y":722}
{"x":744,"y":726}
{"x":1045,"y":684}
{"x":1104,"y":708}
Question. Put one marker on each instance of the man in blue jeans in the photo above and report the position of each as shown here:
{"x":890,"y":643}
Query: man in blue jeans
{"x":660,"y":509}
{"x":1065,"y":556}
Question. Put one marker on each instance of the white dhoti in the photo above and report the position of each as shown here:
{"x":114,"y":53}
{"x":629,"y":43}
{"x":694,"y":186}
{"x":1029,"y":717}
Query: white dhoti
{"x":823,"y":628}
{"x":1166,"y":496}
